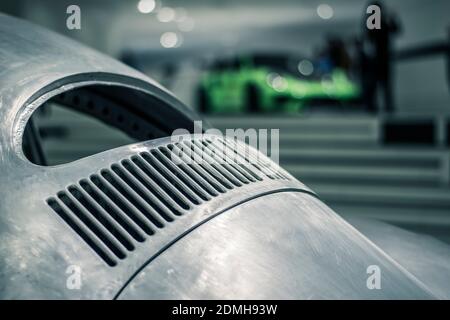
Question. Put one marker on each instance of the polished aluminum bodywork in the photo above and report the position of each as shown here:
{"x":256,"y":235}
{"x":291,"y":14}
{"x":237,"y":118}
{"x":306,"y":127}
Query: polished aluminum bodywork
{"x":269,"y":239}
{"x":279,"y":246}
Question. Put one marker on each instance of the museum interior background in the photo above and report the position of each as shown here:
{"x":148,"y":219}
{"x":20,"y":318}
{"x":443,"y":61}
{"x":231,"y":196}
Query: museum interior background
{"x":309,"y":68}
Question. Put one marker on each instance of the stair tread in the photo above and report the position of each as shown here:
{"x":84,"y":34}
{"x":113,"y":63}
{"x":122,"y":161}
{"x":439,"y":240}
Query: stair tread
{"x":364,"y":153}
{"x":317,"y":170}
{"x":358,"y":192}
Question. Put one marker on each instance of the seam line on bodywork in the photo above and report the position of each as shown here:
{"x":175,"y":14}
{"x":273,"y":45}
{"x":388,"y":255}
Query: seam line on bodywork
{"x":183,"y":234}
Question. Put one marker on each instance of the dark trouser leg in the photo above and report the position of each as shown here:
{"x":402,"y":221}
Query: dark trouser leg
{"x":369,"y":93}
{"x":387,"y":93}
{"x":386,"y":85}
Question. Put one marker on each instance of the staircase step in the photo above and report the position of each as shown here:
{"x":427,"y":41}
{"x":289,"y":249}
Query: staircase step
{"x":391,"y":196}
{"x":363,"y":157}
{"x":293,"y":120}
{"x":327,"y":137}
{"x":300,"y":124}
{"x":311,"y":174}
{"x":400,"y":215}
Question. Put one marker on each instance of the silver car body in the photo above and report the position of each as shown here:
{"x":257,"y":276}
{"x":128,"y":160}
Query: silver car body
{"x":135,"y":223}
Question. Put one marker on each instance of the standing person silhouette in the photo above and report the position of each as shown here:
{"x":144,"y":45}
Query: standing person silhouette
{"x":448,"y":56}
{"x":379,"y":55}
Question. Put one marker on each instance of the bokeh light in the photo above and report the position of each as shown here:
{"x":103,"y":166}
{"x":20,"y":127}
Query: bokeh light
{"x":146,"y":6}
{"x":166,"y":14}
{"x":170,"y":40}
{"x":325,"y":11}
{"x":186,"y":24}
{"x":305,"y":67}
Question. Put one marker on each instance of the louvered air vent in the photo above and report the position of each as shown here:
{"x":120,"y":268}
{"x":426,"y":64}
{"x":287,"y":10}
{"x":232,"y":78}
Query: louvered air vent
{"x":122,"y":205}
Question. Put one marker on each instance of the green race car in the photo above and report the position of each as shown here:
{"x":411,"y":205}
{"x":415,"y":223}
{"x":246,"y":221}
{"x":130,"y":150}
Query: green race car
{"x":256,"y":83}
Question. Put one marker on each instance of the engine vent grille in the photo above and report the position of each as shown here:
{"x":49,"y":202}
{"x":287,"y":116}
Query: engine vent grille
{"x":122,"y":205}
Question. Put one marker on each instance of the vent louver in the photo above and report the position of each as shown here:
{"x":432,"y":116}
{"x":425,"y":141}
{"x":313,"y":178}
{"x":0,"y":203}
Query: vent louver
{"x":124,"y":204}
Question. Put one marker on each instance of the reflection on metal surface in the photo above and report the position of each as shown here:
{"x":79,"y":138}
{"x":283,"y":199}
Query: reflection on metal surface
{"x":249,"y":231}
{"x":137,"y":196}
{"x":280,"y":246}
{"x":425,"y":257}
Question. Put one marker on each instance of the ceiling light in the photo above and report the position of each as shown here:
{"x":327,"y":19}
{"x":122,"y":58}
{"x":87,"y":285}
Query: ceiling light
{"x":169,"y":40}
{"x":325,"y":11}
{"x":166,"y":14}
{"x":146,"y":6}
{"x":187,"y":24}
{"x":305,"y":67}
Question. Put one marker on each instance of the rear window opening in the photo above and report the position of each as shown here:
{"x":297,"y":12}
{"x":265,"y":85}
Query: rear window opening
{"x":88,"y":120}
{"x":66,"y":135}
